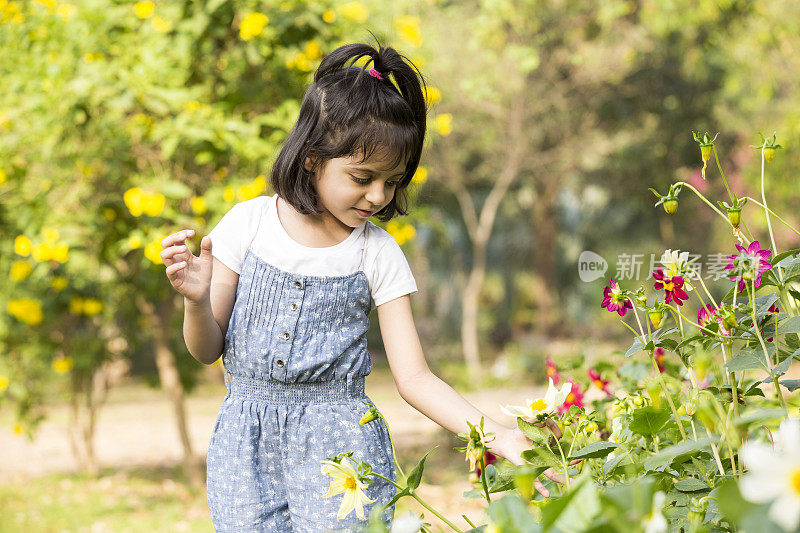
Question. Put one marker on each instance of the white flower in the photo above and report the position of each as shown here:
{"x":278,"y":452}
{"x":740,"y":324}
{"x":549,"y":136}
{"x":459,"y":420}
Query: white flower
{"x":774,"y":474}
{"x":553,"y":399}
{"x":407,"y":523}
{"x":676,"y":263}
{"x":655,"y":521}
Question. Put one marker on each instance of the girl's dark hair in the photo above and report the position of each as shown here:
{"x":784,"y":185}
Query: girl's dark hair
{"x":345,"y":112}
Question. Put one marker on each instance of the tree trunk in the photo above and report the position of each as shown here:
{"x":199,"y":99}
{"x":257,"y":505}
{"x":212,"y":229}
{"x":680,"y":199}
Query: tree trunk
{"x":159,"y":318}
{"x":469,"y":317}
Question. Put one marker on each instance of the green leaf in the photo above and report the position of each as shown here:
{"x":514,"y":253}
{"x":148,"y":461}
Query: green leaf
{"x":790,"y":384}
{"x":790,"y":325}
{"x":648,"y":421}
{"x":636,"y":347}
{"x":746,"y":359}
{"x":668,"y":455}
{"x":415,"y":476}
{"x":781,"y":368}
{"x":600,"y":448}
{"x":511,"y":514}
{"x":541,"y":456}
{"x":691,"y":484}
{"x":538,"y":435}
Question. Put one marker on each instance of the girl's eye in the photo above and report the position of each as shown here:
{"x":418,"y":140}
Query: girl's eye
{"x":360,"y":180}
{"x":364,"y":181}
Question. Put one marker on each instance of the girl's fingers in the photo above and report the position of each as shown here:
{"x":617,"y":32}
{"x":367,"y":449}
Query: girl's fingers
{"x":175,"y":267}
{"x":541,"y":488}
{"x":175,"y":254}
{"x":177,"y":237}
{"x":554,"y":476}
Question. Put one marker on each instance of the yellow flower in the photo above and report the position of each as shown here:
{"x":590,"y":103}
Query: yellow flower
{"x":26,"y":310}
{"x":153,"y":252}
{"x":161,"y":25}
{"x":19,"y":428}
{"x":22,"y":246}
{"x":432,"y":94}
{"x":313,"y":51}
{"x":355,"y":11}
{"x":444,"y":124}
{"x":252,"y":25}
{"x":153,"y":204}
{"x":3,"y":176}
{"x":76,"y":305}
{"x":198,"y":204}
{"x":133,"y":200}
{"x":20,"y":270}
{"x":3,"y":383}
{"x":228,"y":195}
{"x":62,"y":365}
{"x":109,"y":213}
{"x":134,"y":242}
{"x":329,"y":16}
{"x":144,"y":9}
{"x":92,"y":306}
{"x":59,"y":252}
{"x":420,"y":176}
{"x":50,"y":234}
{"x":345,"y":480}
{"x":300,"y":61}
{"x":252,"y":189}
{"x":49,"y":4}
{"x":408,"y":29}
{"x":42,"y":252}
{"x":65,"y":11}
{"x":401,"y":232}
{"x":59,"y":283}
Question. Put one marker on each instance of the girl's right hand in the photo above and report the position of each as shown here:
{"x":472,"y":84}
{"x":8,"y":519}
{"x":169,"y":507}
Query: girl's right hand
{"x":189,"y":275}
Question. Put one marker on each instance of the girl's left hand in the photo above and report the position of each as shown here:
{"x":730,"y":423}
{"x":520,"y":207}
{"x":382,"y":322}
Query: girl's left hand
{"x":513,"y":442}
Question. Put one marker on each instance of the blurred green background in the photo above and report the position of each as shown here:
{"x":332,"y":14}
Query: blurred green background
{"x":122,"y":122}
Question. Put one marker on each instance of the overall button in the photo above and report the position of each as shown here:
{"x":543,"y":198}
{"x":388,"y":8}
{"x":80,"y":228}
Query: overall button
{"x":294,"y":306}
{"x":285,"y":335}
{"x":279,"y":362}
{"x":298,"y":284}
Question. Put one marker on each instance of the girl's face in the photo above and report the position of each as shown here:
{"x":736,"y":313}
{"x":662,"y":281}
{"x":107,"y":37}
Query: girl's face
{"x":351,"y":192}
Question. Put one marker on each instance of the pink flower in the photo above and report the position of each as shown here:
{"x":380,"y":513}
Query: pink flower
{"x":658,"y":353}
{"x":672,"y":286}
{"x":575,"y":397}
{"x":489,"y":458}
{"x":615,"y":299}
{"x":708,"y":314}
{"x":552,"y":371}
{"x":773,"y":310}
{"x":598,"y":381}
{"x":748,"y":264}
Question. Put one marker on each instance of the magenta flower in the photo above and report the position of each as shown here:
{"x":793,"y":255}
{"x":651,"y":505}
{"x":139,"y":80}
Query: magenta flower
{"x":615,"y":299}
{"x":575,"y":397}
{"x":748,"y":264}
{"x":658,"y":354}
{"x":672,"y":286}
{"x":598,"y":381}
{"x":552,"y":371}
{"x":708,"y":314}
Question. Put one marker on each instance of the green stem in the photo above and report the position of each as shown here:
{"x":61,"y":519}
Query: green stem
{"x":721,"y":173}
{"x":715,"y":452}
{"x":391,"y":440}
{"x":563,"y":458}
{"x":425,"y":505}
{"x":668,"y":395}
{"x":712,"y":206}
{"x":766,"y":214}
{"x":752,"y":295}
{"x":773,"y":214}
{"x":485,"y":486}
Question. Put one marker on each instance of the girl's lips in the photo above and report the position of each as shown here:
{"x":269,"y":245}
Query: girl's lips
{"x":365,"y":214}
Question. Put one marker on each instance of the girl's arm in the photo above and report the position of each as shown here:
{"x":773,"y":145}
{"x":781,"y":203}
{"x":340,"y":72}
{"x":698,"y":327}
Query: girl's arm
{"x":426,"y":392}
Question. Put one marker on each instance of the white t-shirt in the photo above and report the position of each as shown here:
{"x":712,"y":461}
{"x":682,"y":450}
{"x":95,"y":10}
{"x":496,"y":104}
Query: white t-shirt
{"x":385,"y":264}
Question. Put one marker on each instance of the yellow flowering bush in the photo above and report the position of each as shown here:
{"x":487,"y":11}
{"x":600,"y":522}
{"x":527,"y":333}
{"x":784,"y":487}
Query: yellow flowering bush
{"x":355,"y":11}
{"x":408,"y":29}
{"x":420,"y":176}
{"x":252,"y":26}
{"x":139,"y":201}
{"x":401,"y":231}
{"x":444,"y":124}
{"x":22,"y":246}
{"x":144,"y":9}
{"x":62,"y":365}
{"x":432,"y":95}
{"x":26,"y":310}
{"x":20,"y":270}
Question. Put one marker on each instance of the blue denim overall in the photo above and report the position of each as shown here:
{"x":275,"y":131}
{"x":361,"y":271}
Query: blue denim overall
{"x":296,"y":355}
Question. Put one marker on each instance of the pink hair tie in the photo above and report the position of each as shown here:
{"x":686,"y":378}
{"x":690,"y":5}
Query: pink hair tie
{"x":375,"y":73}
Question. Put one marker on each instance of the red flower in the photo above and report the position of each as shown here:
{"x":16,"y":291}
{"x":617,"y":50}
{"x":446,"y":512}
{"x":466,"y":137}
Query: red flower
{"x":672,"y":286}
{"x":488,"y":458}
{"x":552,"y":371}
{"x":708,"y":314}
{"x":614,"y":299}
{"x":598,"y":381}
{"x":575,"y":397}
{"x":773,"y":310}
{"x":748,"y":264}
{"x":658,"y":353}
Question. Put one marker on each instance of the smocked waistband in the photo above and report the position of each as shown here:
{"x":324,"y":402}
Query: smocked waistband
{"x":280,"y":393}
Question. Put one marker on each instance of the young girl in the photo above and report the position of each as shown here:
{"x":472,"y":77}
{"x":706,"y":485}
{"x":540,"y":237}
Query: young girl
{"x":287,"y":296}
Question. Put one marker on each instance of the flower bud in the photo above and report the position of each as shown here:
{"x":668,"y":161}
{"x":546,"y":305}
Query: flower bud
{"x":591,"y":427}
{"x":369,"y":416}
{"x":735,"y":217}
{"x":656,"y":317}
{"x":638,"y":401}
{"x":705,"y":152}
{"x":769,"y":153}
{"x":654,"y":391}
{"x":671,"y":205}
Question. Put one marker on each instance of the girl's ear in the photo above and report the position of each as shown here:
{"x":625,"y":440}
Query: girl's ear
{"x":311,"y":159}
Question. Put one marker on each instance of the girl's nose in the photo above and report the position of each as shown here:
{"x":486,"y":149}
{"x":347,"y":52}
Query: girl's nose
{"x":376,"y":195}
